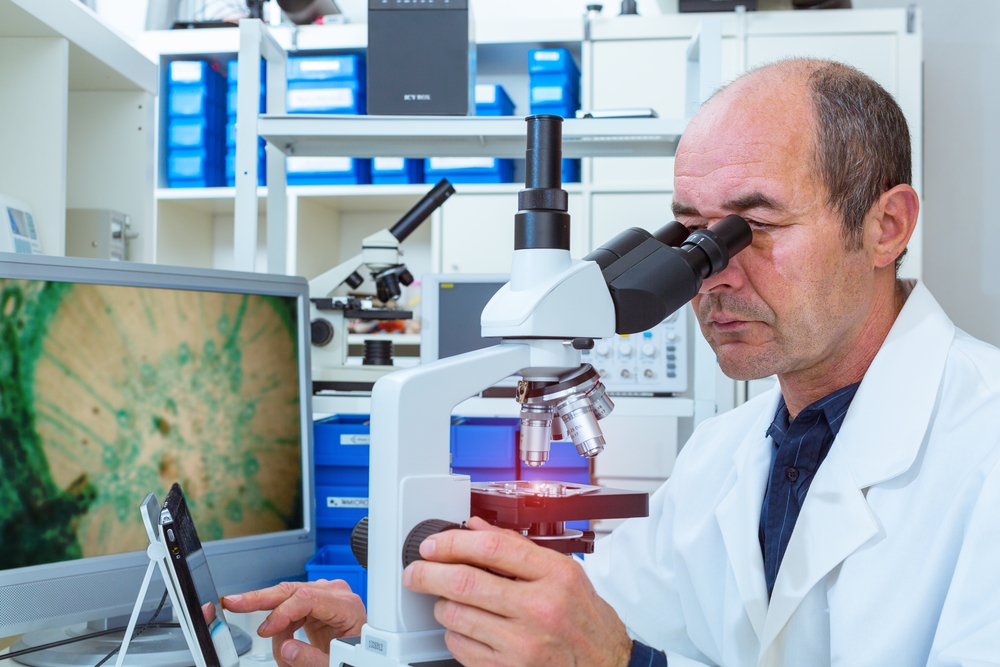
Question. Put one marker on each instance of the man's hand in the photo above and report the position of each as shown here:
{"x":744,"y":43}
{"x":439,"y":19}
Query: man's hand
{"x":550,"y":615}
{"x":326,"y":609}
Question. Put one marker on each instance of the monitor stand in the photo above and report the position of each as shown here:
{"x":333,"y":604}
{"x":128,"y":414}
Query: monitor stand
{"x":156,"y":647}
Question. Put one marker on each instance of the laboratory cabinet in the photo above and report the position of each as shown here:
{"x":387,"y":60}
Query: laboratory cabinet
{"x":77,"y":119}
{"x":630,"y":62}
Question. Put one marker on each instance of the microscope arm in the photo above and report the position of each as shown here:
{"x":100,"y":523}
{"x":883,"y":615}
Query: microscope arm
{"x":410,"y":436}
{"x":323,"y":284}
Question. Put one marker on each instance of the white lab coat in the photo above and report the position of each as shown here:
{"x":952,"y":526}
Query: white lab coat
{"x":895,"y":558}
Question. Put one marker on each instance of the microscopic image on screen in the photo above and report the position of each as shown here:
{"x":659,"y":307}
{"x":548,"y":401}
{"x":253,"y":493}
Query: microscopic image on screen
{"x":108,"y":393}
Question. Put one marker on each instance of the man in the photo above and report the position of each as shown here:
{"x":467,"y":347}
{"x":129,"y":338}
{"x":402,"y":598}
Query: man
{"x":848,"y":517}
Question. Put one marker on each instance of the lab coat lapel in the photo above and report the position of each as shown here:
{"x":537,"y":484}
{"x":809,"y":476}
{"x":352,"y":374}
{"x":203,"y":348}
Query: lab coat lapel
{"x":880,"y":439}
{"x":738,"y":514}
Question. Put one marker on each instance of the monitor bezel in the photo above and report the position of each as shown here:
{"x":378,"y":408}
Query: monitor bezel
{"x":105,"y":272}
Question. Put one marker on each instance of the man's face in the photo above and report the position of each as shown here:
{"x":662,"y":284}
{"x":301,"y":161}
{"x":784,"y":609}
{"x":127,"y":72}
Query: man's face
{"x":794,"y":298}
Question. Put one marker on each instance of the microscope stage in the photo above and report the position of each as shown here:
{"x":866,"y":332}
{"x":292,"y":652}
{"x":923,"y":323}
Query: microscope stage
{"x":521,"y":504}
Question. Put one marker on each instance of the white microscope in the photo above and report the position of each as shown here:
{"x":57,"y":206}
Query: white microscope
{"x":382,"y":257}
{"x":553,"y":307}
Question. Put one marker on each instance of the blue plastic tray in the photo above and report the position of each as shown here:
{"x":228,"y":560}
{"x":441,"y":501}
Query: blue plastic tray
{"x":336,"y":561}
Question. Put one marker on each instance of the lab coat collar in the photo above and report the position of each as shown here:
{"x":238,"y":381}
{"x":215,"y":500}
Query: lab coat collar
{"x":880,"y":439}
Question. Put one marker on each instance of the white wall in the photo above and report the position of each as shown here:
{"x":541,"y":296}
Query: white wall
{"x":961,"y":158}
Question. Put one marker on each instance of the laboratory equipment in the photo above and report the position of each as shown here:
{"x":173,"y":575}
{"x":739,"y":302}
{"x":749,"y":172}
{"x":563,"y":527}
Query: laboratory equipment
{"x":382,"y":258}
{"x":19,"y":232}
{"x":552,"y":308}
{"x":124,"y":378}
{"x":650,"y":363}
{"x":421,"y":58}
{"x":98,"y":233}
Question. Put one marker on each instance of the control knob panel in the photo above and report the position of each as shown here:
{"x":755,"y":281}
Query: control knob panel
{"x":648,"y":363}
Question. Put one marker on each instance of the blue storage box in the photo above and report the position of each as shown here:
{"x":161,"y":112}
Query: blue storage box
{"x":334,"y":562}
{"x":492,"y":100}
{"x":485,"y":448}
{"x":195,"y":167}
{"x":193,"y":101}
{"x":326,"y":97}
{"x":545,"y":61}
{"x":326,"y":68}
{"x":469,"y":170}
{"x":195,"y":73}
{"x":194,"y":132}
{"x":397,"y":170}
{"x":341,"y":456}
{"x":570,"y":170}
{"x":482,"y":442}
{"x":329,"y":171}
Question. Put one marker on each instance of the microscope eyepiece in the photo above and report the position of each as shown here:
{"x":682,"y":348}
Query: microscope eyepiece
{"x":542,"y":220}
{"x":649,"y":276}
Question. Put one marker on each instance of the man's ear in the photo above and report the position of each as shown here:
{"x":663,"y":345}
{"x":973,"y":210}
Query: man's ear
{"x":892,"y":221}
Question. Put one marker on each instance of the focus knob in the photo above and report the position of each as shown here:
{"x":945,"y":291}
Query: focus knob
{"x":359,"y":542}
{"x":648,"y":350}
{"x":602,"y":349}
{"x":420,"y":532}
{"x":321,"y":332}
{"x":625,"y":349}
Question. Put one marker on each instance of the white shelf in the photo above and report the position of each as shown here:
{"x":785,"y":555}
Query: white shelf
{"x":463,"y":136}
{"x":99,"y":58}
{"x":350,"y":36}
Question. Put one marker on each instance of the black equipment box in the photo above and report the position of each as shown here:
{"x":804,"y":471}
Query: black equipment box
{"x":715,"y":5}
{"x":421,"y":58}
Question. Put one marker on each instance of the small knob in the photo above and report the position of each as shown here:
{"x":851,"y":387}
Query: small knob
{"x":626,"y":373}
{"x":648,"y":373}
{"x":603,"y":349}
{"x":322,"y":332}
{"x":671,"y":336}
{"x":625,"y":349}
{"x":359,"y":542}
{"x":420,"y":532}
{"x":648,"y":350}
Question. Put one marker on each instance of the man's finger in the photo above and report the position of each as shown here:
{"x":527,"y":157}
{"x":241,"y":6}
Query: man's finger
{"x":470,"y":652}
{"x":298,"y":654}
{"x":462,"y":583}
{"x":262,"y":600}
{"x":323,"y":604}
{"x":501,"y":550}
{"x":483,"y":626}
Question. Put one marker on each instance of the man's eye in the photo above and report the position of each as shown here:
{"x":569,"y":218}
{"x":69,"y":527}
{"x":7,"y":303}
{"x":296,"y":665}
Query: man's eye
{"x":757,"y":224}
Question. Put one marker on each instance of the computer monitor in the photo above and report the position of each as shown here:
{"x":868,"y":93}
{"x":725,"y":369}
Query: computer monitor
{"x":451,"y":308}
{"x":120,"y":379}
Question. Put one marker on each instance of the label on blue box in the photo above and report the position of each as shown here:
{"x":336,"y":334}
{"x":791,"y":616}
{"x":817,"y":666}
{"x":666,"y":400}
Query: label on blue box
{"x":187,"y":71}
{"x":449,"y":163}
{"x":352,"y":503}
{"x":355,"y":438}
{"x":309,"y":99}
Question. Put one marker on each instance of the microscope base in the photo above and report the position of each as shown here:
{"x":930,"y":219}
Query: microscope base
{"x":375,"y":648}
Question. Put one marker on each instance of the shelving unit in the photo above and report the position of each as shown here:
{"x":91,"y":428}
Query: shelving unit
{"x":77,"y":123}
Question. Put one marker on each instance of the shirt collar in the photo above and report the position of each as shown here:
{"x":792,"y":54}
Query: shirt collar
{"x":833,"y":406}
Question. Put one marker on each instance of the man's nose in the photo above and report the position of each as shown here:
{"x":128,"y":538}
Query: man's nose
{"x":730,"y":278}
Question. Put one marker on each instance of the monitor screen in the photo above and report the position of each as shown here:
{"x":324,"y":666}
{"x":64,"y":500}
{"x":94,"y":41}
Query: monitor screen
{"x":118,"y":380}
{"x":451,"y":309}
{"x":114,"y":391}
{"x":461,"y":304}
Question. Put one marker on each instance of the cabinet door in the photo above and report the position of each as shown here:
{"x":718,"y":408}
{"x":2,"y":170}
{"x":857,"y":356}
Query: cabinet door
{"x":477,"y":232}
{"x":615,"y":212}
{"x":639,"y":74}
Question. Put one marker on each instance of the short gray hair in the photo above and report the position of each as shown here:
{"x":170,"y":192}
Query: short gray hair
{"x":862,"y":143}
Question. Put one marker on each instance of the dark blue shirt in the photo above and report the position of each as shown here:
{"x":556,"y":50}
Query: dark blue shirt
{"x":799,"y":448}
